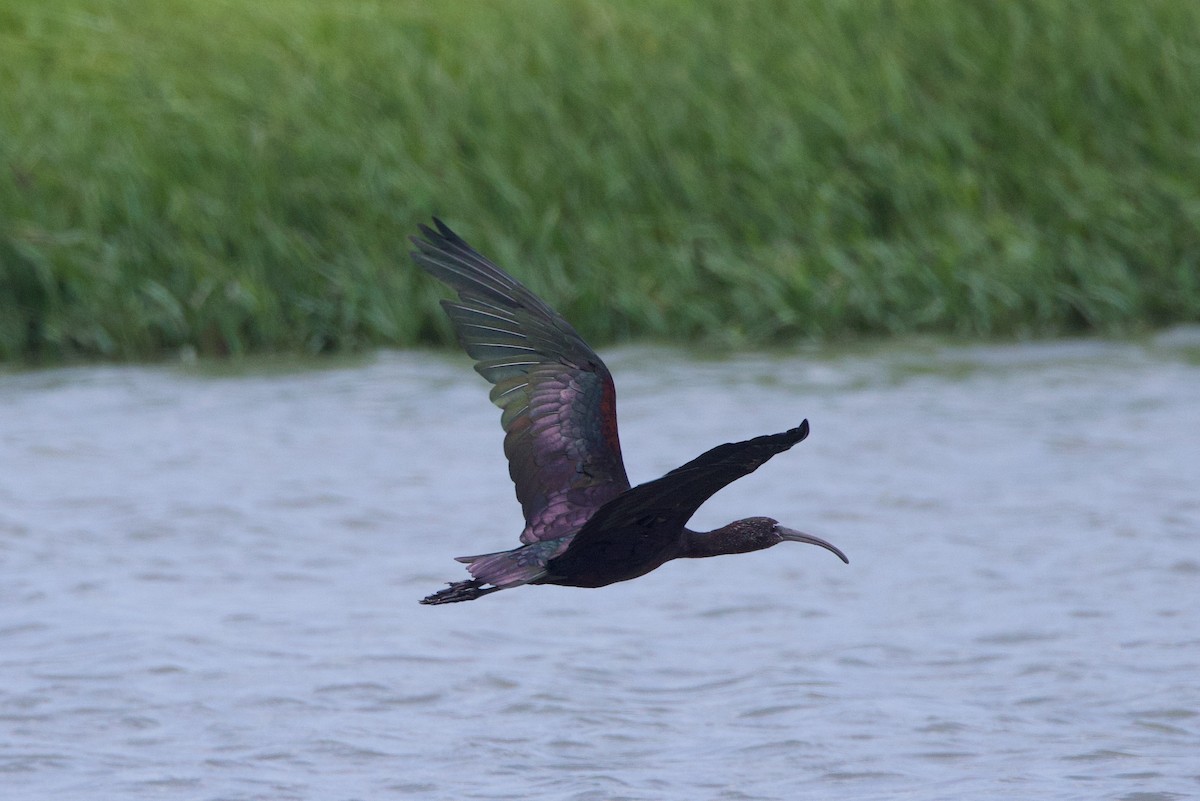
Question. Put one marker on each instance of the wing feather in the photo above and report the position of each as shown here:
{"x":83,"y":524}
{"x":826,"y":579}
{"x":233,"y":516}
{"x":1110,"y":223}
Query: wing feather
{"x":557,"y":398}
{"x":659,"y":508}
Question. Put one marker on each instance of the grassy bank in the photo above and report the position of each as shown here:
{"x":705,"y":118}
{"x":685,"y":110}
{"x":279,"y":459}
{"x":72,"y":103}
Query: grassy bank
{"x":236,"y":176}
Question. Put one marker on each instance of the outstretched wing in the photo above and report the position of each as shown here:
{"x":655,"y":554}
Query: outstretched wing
{"x":659,"y":508}
{"x":560,"y":413}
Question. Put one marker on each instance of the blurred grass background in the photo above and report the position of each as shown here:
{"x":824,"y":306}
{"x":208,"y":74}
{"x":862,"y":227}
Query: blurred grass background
{"x":236,"y":176}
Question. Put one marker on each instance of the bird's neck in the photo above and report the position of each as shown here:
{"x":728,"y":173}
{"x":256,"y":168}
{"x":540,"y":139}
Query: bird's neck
{"x":718,"y":542}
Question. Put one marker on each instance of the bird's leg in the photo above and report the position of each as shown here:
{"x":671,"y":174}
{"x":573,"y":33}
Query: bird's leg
{"x":459,"y":591}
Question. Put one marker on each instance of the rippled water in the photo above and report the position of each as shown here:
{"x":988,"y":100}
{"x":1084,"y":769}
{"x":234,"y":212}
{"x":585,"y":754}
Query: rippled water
{"x":210,"y":580}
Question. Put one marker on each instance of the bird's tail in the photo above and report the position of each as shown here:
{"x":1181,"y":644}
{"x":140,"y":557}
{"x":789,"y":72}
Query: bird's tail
{"x":503,"y":569}
{"x":459,"y":591}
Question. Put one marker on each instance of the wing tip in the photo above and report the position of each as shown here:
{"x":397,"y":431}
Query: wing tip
{"x":437,"y":237}
{"x":792,"y":435}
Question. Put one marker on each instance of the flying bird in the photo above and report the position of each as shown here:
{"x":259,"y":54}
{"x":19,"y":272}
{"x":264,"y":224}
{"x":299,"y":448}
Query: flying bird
{"x":584,"y":525}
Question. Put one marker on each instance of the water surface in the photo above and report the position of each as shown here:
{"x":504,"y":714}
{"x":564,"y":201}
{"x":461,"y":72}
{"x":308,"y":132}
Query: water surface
{"x":210,"y":580}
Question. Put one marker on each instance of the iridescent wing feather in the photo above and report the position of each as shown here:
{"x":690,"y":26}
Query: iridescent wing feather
{"x":558,"y":400}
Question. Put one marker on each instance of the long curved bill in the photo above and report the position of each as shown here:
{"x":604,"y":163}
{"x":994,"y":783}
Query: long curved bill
{"x":791,"y":535}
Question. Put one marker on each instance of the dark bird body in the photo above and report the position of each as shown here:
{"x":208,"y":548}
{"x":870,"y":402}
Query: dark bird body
{"x":584,"y":525}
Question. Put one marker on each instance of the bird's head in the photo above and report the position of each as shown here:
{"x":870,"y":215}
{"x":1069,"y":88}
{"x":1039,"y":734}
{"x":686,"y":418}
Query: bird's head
{"x":768,"y":532}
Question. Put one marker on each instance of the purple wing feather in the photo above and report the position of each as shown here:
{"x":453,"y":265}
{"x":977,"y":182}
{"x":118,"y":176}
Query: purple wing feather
{"x":557,"y":397}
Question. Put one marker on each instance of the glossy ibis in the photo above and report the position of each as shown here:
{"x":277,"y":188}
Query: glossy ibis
{"x":584,"y":525}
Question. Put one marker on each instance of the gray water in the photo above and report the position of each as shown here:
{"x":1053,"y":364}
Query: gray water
{"x":208,"y":585}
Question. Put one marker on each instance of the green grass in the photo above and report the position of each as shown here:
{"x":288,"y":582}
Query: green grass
{"x":236,"y":176}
